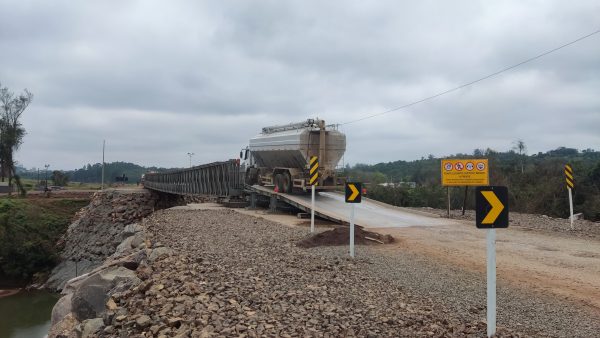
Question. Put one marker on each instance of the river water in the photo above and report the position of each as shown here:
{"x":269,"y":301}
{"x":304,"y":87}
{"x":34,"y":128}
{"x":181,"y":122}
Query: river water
{"x":26,"y":314}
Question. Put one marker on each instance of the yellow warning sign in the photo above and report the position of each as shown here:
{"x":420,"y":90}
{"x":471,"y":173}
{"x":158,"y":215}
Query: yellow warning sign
{"x":569,"y":177}
{"x":465,"y":172}
{"x":314,"y":171}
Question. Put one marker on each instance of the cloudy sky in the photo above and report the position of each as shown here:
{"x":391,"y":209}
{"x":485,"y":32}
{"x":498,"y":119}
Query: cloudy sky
{"x":159,"y":79}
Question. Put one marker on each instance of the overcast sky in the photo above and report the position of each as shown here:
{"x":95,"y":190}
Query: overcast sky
{"x":159,"y":79}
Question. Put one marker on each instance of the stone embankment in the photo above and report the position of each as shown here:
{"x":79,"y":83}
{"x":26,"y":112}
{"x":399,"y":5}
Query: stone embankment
{"x":97,"y":231}
{"x":218,"y":273}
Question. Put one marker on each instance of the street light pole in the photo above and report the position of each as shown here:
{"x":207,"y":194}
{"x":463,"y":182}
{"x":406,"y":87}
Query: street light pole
{"x":190,"y":155}
{"x":46,"y":166}
{"x":103,"y":146}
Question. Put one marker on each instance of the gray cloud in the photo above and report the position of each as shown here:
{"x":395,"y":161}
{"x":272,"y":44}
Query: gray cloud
{"x":157,"y":81}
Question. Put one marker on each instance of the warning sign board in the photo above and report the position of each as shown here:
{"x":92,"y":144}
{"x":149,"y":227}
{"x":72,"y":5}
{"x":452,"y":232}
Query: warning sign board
{"x":465,"y":172}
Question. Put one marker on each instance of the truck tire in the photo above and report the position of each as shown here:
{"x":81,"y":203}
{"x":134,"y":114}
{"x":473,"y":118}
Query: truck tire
{"x":287,"y":183}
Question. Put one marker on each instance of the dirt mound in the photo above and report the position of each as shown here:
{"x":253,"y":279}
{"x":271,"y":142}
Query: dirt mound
{"x":341,"y":236}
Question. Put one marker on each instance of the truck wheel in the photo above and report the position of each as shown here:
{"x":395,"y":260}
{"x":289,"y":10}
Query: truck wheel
{"x":279,"y":182}
{"x":287,"y":183}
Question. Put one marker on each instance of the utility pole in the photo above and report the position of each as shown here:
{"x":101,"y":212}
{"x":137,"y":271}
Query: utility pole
{"x":103,"y":146}
{"x":190,"y":155}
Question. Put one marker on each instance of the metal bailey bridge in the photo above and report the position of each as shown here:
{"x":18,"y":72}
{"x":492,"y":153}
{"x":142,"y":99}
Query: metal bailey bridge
{"x":225,"y":181}
{"x":220,"y":179}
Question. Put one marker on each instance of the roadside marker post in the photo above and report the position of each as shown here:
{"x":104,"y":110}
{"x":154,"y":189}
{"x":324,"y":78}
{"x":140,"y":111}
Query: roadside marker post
{"x":352,"y":196}
{"x":491,"y":212}
{"x":570,"y":185}
{"x":313,"y":181}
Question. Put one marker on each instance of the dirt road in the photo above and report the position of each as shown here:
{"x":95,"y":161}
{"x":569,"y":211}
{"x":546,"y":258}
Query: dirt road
{"x":541,"y":260}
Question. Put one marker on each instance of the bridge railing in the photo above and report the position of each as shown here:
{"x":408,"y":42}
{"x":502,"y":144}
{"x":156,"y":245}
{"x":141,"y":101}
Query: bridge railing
{"x":221,"y":179}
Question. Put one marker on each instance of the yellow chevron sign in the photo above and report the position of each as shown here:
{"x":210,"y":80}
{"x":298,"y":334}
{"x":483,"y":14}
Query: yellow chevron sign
{"x":491,"y":207}
{"x":496,"y":205}
{"x":314,"y":171}
{"x":569,"y":177}
{"x":353,"y":192}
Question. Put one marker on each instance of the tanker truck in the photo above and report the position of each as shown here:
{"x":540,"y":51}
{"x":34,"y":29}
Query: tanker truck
{"x":279,"y":156}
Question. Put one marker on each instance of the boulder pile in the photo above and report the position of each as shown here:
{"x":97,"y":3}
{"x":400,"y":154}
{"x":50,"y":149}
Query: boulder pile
{"x":97,"y":231}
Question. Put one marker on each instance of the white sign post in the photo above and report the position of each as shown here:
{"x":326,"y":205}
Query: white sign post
{"x":312,"y":209}
{"x":491,"y":282}
{"x":570,"y":180}
{"x":491,"y":212}
{"x":352,"y":231}
{"x":571,"y":206}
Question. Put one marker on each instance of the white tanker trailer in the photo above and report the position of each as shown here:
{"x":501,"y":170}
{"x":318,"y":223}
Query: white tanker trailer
{"x":279,"y":156}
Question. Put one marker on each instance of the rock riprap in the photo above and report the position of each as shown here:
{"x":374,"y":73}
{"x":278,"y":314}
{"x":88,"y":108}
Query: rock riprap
{"x":97,"y":231}
{"x":217,"y":273}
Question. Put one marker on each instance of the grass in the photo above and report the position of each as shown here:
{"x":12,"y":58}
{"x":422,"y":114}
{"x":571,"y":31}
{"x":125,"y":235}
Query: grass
{"x":29,"y":231}
{"x":31,"y":184}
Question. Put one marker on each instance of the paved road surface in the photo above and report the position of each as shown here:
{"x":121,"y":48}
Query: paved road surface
{"x":369,"y":214}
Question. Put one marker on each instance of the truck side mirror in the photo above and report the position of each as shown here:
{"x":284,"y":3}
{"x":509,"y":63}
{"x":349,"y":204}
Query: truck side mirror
{"x":241,"y":153}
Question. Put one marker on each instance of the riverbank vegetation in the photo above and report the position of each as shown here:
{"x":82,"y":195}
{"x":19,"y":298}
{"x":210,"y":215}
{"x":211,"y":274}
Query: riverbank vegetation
{"x":29,"y":232}
{"x":536,"y":183}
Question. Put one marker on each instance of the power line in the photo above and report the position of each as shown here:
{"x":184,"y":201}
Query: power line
{"x":475,"y":81}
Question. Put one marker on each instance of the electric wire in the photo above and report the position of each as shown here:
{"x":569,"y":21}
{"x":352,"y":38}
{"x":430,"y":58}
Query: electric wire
{"x":474,"y":81}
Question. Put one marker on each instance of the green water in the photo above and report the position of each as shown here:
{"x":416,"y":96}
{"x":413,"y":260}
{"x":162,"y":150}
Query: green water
{"x":26,"y":314}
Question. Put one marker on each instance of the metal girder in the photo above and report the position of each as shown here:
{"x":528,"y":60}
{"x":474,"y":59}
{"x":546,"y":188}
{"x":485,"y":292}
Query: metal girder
{"x":222,"y":179}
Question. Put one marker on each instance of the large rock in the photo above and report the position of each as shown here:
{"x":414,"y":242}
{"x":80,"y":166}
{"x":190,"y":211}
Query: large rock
{"x":90,"y":298}
{"x":91,"y":326}
{"x":131,"y":229}
{"x":124,"y":247}
{"x":61,"y":309}
{"x":67,"y":270}
{"x":65,"y":328}
{"x":159,"y":252}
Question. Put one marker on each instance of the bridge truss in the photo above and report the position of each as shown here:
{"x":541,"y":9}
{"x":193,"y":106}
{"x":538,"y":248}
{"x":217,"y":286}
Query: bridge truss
{"x":222,"y":179}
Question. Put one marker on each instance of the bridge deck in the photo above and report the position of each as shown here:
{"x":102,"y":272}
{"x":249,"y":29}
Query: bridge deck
{"x":369,"y":213}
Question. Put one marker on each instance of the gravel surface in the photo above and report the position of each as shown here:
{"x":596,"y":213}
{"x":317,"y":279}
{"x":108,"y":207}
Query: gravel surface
{"x":235,"y":275}
{"x":581,"y":228}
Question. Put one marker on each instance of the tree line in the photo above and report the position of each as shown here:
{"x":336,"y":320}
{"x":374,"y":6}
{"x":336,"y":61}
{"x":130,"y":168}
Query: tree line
{"x":92,"y":173}
{"x":536,"y":182}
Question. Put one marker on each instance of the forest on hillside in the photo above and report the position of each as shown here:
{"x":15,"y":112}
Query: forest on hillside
{"x":536,"y":183}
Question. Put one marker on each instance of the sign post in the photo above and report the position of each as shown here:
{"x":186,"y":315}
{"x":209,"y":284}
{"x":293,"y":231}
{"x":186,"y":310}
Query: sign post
{"x":352,"y":196}
{"x":313,"y":181}
{"x":570,"y":185}
{"x":491,"y":212}
{"x":491,"y":281}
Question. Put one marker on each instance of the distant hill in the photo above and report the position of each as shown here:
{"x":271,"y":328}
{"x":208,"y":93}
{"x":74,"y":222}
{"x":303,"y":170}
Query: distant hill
{"x":536,"y":182}
{"x":92,"y":173}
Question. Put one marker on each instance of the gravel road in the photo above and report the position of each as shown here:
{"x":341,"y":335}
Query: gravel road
{"x":235,"y":275}
{"x":581,"y":228}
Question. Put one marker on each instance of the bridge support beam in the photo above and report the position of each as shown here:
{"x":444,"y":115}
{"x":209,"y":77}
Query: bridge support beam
{"x":253,"y":198}
{"x":273,"y":204}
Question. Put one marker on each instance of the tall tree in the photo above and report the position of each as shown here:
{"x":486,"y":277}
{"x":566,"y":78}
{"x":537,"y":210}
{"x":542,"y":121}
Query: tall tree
{"x":521,"y":148}
{"x":11,"y":132}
